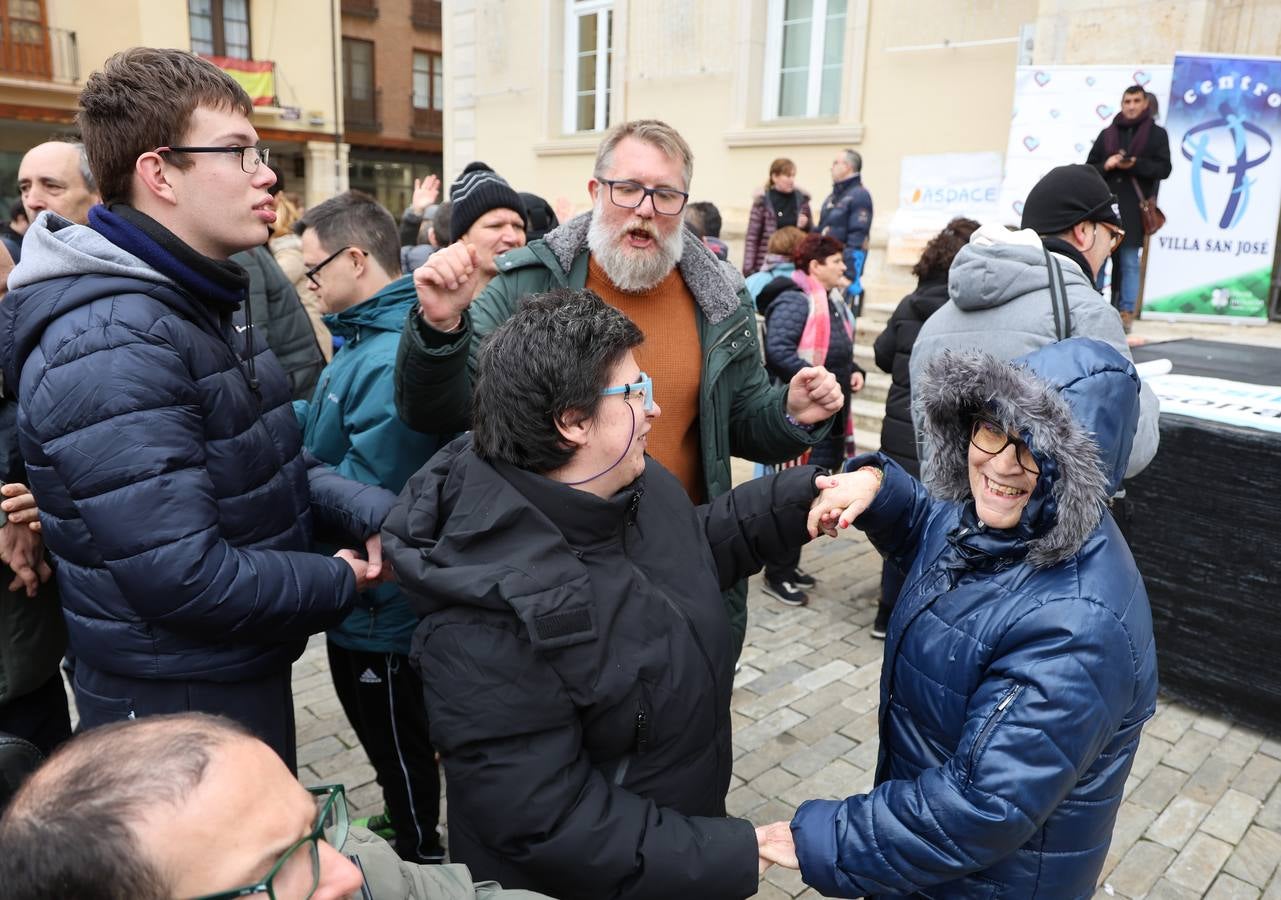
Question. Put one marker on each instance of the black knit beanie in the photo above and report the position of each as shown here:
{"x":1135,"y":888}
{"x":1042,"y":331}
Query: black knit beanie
{"x":1068,"y":195}
{"x":478,"y":190}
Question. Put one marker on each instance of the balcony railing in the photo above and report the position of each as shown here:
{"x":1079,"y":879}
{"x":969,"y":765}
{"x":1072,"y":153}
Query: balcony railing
{"x":365,"y":9}
{"x":425,"y":14}
{"x":363,"y":115}
{"x":33,"y":51}
{"x":426,"y":123}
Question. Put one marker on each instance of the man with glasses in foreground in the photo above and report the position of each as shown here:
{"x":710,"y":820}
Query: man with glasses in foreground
{"x":633,"y":251}
{"x":1003,"y":287}
{"x":194,"y":806}
{"x":160,"y":442}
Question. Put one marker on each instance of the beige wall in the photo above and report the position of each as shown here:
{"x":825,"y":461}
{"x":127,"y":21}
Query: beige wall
{"x":698,"y":66}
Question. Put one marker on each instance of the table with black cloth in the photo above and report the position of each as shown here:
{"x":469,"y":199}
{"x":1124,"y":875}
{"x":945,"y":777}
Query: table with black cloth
{"x":1205,"y":530}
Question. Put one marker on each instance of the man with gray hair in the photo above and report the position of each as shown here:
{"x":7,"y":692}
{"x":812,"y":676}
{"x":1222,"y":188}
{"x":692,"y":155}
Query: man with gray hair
{"x":633,"y":251}
{"x":55,"y":176}
{"x":847,"y":214}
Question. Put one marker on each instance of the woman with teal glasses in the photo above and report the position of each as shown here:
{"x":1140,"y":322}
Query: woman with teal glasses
{"x":575,"y":650}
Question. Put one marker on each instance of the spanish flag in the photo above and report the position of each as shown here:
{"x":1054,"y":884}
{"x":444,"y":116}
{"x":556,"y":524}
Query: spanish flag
{"x":258,"y":78}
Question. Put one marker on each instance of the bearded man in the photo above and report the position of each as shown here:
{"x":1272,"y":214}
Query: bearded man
{"x":633,"y":250}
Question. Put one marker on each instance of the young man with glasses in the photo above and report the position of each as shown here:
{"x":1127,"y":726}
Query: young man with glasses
{"x":1002,"y":286}
{"x":633,"y":251}
{"x":193,"y":805}
{"x":161,"y":445}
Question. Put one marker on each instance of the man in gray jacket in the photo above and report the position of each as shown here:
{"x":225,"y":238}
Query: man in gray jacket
{"x":999,"y":286}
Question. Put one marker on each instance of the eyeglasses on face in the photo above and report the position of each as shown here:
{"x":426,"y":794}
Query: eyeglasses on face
{"x":644,"y":389}
{"x":296,"y":874}
{"x":250,"y":157}
{"x":992,"y":439}
{"x":1115,"y":235}
{"x":315,"y":270}
{"x":631,"y":194}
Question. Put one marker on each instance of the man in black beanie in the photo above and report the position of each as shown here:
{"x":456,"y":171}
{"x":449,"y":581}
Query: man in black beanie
{"x":1002,"y":285}
{"x":488,"y":215}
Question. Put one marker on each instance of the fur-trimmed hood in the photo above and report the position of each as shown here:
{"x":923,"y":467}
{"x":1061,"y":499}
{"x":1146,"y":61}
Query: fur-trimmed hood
{"x":1075,"y":403}
{"x":714,"y":284}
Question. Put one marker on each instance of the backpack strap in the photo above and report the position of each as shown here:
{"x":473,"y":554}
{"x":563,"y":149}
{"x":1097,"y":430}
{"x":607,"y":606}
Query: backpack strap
{"x":1058,"y":298}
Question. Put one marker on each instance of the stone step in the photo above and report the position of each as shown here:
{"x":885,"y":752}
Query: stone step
{"x":867,"y":415}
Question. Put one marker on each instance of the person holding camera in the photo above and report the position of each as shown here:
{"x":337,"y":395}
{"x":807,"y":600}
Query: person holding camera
{"x":1133,"y":156}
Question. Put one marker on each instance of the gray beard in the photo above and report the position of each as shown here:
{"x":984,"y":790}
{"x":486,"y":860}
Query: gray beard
{"x":629,"y":271}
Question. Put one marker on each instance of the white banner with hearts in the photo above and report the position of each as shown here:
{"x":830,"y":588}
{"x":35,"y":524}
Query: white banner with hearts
{"x":1058,"y":112}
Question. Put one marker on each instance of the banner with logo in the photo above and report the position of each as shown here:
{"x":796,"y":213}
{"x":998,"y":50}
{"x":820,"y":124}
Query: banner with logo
{"x":1213,"y":260}
{"x":1058,"y":112}
{"x":933,"y":190}
{"x":1219,"y":400}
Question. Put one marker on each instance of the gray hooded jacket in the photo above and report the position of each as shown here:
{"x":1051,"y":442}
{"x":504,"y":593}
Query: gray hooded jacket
{"x":999,"y":290}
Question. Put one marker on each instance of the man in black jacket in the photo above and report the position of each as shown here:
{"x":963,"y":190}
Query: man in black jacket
{"x":1133,"y":156}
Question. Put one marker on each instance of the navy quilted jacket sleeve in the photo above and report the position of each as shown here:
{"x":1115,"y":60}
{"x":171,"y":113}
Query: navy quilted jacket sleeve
{"x":1045,"y":707}
{"x":785,"y":321}
{"x":123,"y":433}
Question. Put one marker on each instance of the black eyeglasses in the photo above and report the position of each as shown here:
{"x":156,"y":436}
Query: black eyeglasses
{"x":315,"y":270}
{"x":630,"y":195}
{"x":250,"y":157}
{"x":993,"y":439}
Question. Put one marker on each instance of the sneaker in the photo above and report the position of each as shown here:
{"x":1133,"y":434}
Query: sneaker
{"x":379,"y":825}
{"x":803,"y":580}
{"x":786,"y":591}
{"x":881,"y":624}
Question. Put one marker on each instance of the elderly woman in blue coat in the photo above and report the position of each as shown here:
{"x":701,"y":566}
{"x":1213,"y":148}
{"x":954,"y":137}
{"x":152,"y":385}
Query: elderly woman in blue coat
{"x":1019,"y":665}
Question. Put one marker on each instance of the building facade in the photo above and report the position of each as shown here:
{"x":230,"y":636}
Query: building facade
{"x":532,"y":84}
{"x":393,"y":96}
{"x":283,"y":51}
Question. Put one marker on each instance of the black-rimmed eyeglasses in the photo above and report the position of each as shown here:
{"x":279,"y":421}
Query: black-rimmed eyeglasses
{"x":250,"y":157}
{"x":992,"y":439}
{"x":631,"y":194}
{"x":315,"y":270}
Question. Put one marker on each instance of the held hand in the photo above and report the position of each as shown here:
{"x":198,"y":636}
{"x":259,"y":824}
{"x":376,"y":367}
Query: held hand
{"x":1127,"y":162}
{"x":379,"y":568}
{"x":445,"y":284}
{"x":841,"y":500}
{"x":426,"y":190}
{"x":775,"y":845}
{"x":20,"y":505}
{"x":813,"y":395}
{"x":22,"y":551}
{"x":856,"y":381}
{"x":359,"y":568}
{"x":1113,"y":161}
{"x":802,"y":221}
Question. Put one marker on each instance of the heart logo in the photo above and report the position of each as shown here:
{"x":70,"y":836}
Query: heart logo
{"x":1041,"y":78}
{"x":1031,"y":143}
{"x":1080,"y":148}
{"x":1054,"y":114}
{"x":1089,"y":79}
{"x":1141,"y":77}
{"x":1104,"y":111}
{"x":1018,"y":206}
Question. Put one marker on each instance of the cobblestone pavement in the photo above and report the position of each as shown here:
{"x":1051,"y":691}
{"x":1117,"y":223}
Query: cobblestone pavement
{"x":1201,"y":818}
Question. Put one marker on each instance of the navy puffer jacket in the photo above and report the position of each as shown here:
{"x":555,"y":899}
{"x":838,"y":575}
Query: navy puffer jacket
{"x":1019,"y":664}
{"x":177,"y":500}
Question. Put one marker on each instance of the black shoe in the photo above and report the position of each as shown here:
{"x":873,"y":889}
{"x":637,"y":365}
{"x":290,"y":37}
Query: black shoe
{"x":881,"y":624}
{"x":802,"y":579}
{"x":786,"y":591}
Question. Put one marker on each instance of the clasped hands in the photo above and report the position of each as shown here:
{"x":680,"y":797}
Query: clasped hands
{"x":372,"y":570}
{"x":21,"y":548}
{"x":841,"y":499}
{"x":774,"y":846}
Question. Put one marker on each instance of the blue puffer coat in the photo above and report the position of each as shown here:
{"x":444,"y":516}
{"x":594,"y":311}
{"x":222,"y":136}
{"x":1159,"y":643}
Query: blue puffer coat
{"x":351,"y":423}
{"x":1019,"y":664}
{"x":177,"y":500}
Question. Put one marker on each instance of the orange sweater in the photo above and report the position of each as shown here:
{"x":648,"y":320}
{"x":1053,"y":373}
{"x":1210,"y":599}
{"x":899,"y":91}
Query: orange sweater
{"x":673,"y":357}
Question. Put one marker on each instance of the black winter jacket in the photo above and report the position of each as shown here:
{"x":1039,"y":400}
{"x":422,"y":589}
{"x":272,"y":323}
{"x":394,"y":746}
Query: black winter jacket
{"x":893,"y":350}
{"x":281,"y":320}
{"x":577,"y":661}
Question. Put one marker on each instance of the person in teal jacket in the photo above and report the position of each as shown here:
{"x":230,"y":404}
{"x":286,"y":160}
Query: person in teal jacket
{"x":352,"y":253}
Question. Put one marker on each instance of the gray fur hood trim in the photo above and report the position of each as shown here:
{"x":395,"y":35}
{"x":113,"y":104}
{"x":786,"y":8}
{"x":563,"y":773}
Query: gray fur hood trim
{"x":714,"y":284}
{"x":1072,"y":490}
